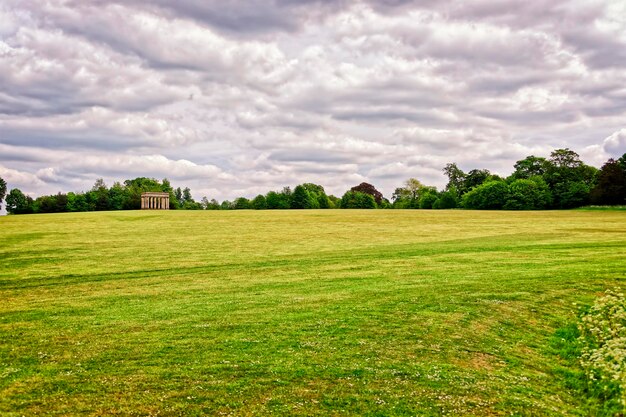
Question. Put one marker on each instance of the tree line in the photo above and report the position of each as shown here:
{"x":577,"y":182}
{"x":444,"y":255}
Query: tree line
{"x":561,"y":181}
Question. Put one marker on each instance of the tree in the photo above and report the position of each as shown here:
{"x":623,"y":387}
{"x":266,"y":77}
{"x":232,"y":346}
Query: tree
{"x":456,"y":179}
{"x":565,"y":158}
{"x":569,"y":179}
{"x":357,"y":200}
{"x":187,"y":196}
{"x":276,"y":200}
{"x":116,"y":196}
{"x":368,"y":189}
{"x":528,"y":194}
{"x":530,"y":166}
{"x":409,"y":195}
{"x":491,"y":195}
{"x":611,"y":186}
{"x":302,"y":199}
{"x":446,"y":200}
{"x":241,"y":203}
{"x":474,"y":178}
{"x":178,"y":196}
{"x":18,"y":203}
{"x":213,"y":205}
{"x":3,"y":190}
{"x":427,"y":200}
{"x":101,"y":194}
{"x":318,"y":193}
{"x":259,"y":203}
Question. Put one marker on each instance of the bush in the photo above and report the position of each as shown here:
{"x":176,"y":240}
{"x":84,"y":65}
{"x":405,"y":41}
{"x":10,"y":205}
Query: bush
{"x":446,"y":200}
{"x":603,"y":340}
{"x":427,"y":200}
{"x":491,"y":195}
{"x":357,"y":200}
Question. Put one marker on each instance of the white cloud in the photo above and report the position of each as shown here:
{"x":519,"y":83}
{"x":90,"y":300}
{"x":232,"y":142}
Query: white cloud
{"x":226,"y":99}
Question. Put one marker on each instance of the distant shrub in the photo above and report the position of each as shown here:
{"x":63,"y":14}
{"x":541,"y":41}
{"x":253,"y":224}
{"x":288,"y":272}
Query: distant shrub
{"x":603,"y":340}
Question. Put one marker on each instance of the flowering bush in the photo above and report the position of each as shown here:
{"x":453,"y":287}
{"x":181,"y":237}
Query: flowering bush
{"x":603,"y":339}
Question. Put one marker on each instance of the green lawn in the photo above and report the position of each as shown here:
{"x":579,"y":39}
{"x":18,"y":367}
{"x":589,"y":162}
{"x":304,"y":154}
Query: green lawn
{"x":334,"y":312}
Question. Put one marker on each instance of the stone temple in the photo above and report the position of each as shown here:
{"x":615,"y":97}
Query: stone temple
{"x":155,"y":201}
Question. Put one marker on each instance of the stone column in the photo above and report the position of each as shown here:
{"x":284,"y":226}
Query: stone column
{"x":142,"y":202}
{"x":167,"y":202}
{"x":151,"y":203}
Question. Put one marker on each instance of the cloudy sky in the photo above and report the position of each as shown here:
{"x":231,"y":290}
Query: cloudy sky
{"x":241,"y":97}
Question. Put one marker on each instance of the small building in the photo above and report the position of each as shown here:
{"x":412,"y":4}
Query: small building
{"x":155,"y":201}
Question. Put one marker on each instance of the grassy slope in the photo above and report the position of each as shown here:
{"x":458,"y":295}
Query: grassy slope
{"x":358,"y":312}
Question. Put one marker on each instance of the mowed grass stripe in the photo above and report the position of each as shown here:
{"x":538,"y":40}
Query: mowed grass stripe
{"x":444,"y":313}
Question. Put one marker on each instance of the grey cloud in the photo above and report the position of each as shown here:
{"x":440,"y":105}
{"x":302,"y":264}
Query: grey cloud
{"x":250,"y":96}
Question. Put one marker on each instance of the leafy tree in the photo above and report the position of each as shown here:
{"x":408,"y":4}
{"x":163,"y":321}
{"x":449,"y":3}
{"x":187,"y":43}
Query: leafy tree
{"x":241,"y":203}
{"x":302,"y":199}
{"x":101,"y":194}
{"x":569,"y":179}
{"x":427,"y":200}
{"x":116,"y":197}
{"x":192,"y":205}
{"x":212,"y":205}
{"x":531,"y":166}
{"x":456,"y":179}
{"x":611,"y":186}
{"x":18,"y":203}
{"x":259,"y":203}
{"x":491,"y":195}
{"x":622,"y":162}
{"x":3,"y":190}
{"x":528,"y":194}
{"x":446,"y":200}
{"x":276,"y":200}
{"x":366,"y":188}
{"x":178,"y":196}
{"x":187,"y":196}
{"x":335,"y":202}
{"x":357,"y":200}
{"x":227,"y":205}
{"x":409,"y":195}
{"x":474,"y":178}
{"x":166,"y":187}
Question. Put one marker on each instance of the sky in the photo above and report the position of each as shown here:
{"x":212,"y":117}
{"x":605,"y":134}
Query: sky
{"x":236,"y":98}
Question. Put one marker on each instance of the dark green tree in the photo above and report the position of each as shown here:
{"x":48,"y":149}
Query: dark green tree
{"x":427,"y":200}
{"x":101,"y":194}
{"x":357,"y":200}
{"x":3,"y":190}
{"x":611,"y":186}
{"x":116,"y":196}
{"x":569,"y":179}
{"x":446,"y":200}
{"x":302,"y":199}
{"x":456,"y":179}
{"x":241,"y":203}
{"x":531,"y":166}
{"x":259,"y":203}
{"x":277,"y":201}
{"x":213,"y":205}
{"x":19,"y":203}
{"x":491,"y":195}
{"x":474,"y":178}
{"x":528,"y":194}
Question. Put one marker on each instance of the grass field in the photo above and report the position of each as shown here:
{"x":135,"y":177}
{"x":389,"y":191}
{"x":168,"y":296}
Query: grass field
{"x":331,"y":312}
